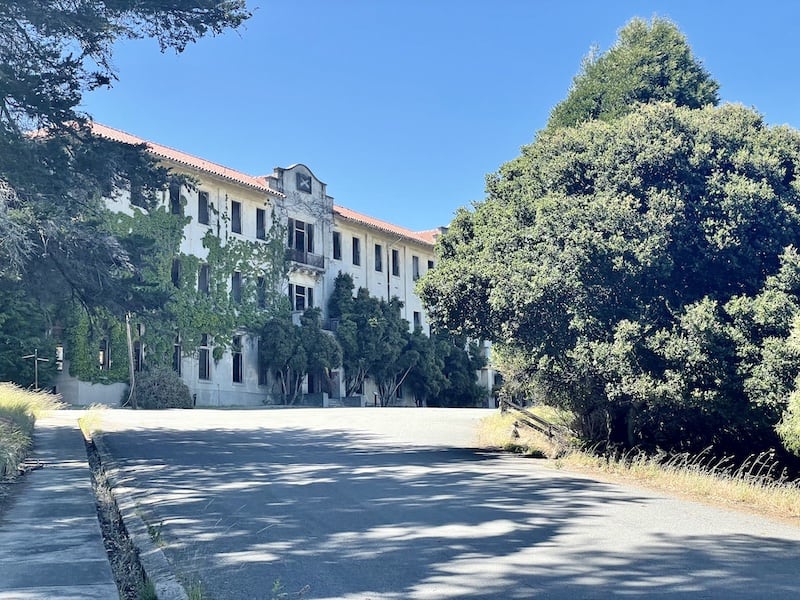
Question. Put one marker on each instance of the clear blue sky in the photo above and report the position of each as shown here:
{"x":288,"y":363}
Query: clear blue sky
{"x":402,"y":107}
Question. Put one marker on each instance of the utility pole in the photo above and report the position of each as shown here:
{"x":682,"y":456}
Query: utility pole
{"x":36,"y":361}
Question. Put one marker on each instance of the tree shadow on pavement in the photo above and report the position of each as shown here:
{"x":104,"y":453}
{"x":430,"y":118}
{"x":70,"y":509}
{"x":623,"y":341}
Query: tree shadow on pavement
{"x":255,"y":512}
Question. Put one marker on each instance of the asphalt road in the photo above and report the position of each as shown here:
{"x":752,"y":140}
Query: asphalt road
{"x":393,"y":504}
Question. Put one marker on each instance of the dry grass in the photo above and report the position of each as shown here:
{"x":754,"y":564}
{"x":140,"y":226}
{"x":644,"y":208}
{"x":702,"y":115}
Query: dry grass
{"x":92,"y":420}
{"x":501,"y":432}
{"x":752,"y":486}
{"x":19,"y":409}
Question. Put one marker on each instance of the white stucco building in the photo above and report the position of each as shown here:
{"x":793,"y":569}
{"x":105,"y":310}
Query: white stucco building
{"x":322,"y":240}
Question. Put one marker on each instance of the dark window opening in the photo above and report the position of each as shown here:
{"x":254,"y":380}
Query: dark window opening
{"x":301,"y":297}
{"x":175,"y":207}
{"x":415,"y":267}
{"x":378,"y":257}
{"x":202,"y":207}
{"x":337,"y":245}
{"x":417,"y":320}
{"x":236,"y":348}
{"x":301,"y":236}
{"x":203,"y":280}
{"x":356,"y":251}
{"x":396,"y":263}
{"x":204,"y":366}
{"x":177,"y":270}
{"x":262,"y":371}
{"x":430,"y":265}
{"x":177,"y":355}
{"x":261,"y":224}
{"x":261,"y":292}
{"x":138,"y":356}
{"x":236,"y":287}
{"x":236,"y":216}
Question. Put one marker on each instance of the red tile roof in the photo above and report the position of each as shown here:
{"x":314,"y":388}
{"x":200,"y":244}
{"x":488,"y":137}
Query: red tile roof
{"x":423,"y":237}
{"x":182,"y":158}
{"x":260,"y":183}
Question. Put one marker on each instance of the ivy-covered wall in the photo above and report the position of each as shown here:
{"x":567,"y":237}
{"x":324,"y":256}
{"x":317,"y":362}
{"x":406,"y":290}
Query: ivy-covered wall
{"x":168,"y":280}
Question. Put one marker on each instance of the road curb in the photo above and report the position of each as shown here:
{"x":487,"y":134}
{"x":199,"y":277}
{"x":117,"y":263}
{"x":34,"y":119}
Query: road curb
{"x":155,"y":564}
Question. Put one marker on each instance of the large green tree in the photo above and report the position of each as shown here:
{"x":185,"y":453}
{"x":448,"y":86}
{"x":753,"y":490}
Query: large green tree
{"x":612,"y":263}
{"x":651,"y":62}
{"x":57,"y":241}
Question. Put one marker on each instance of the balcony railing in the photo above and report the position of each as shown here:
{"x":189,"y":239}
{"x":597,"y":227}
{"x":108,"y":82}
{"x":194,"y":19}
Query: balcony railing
{"x":305,"y":258}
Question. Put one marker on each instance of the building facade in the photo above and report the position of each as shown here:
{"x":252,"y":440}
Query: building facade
{"x":322,"y":240}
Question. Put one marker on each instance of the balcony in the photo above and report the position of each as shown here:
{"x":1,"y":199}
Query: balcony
{"x":303,"y":257}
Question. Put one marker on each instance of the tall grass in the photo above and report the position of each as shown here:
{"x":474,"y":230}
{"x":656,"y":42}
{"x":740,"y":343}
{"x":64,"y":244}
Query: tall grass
{"x":755,"y":483}
{"x":19,"y":409}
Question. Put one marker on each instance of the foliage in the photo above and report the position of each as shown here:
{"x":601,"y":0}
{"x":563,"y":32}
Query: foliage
{"x":161,"y":388}
{"x":82,"y":348}
{"x":19,"y":410}
{"x":23,"y":327}
{"x":375,"y":340}
{"x":153,"y":237}
{"x":649,"y":63}
{"x":58,"y":245}
{"x":461,"y":359}
{"x":789,"y":426}
{"x":376,"y":343}
{"x":291,"y":352}
{"x":639,"y":270}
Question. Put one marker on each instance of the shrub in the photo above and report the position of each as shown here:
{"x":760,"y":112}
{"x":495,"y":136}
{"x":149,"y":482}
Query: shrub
{"x":161,"y":388}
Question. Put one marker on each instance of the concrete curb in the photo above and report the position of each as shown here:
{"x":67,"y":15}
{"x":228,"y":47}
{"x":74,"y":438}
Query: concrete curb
{"x":152,"y":558}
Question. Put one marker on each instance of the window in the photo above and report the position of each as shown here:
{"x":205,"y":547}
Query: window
{"x":203,"y":280}
{"x":261,"y":224}
{"x":378,"y":257}
{"x":202,"y":207}
{"x":262,"y":372}
{"x":261,"y":292}
{"x":236,"y":349}
{"x":177,"y":269}
{"x":104,"y":355}
{"x":301,"y":297}
{"x":177,"y":355}
{"x":236,"y":287}
{"x":337,"y":245}
{"x":301,"y":236}
{"x":236,"y":216}
{"x":356,"y":251}
{"x":396,"y":263}
{"x":417,"y":320}
{"x":415,"y":267}
{"x":430,"y":265}
{"x":138,"y":356}
{"x":175,"y":207}
{"x":204,"y":365}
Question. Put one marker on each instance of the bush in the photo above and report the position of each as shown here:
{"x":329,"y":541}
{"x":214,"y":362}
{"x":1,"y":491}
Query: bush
{"x":161,"y":388}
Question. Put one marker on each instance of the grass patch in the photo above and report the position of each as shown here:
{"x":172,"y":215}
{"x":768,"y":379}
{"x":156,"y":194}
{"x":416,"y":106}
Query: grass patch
{"x":91,"y":421}
{"x":19,"y":409}
{"x":752,"y":485}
